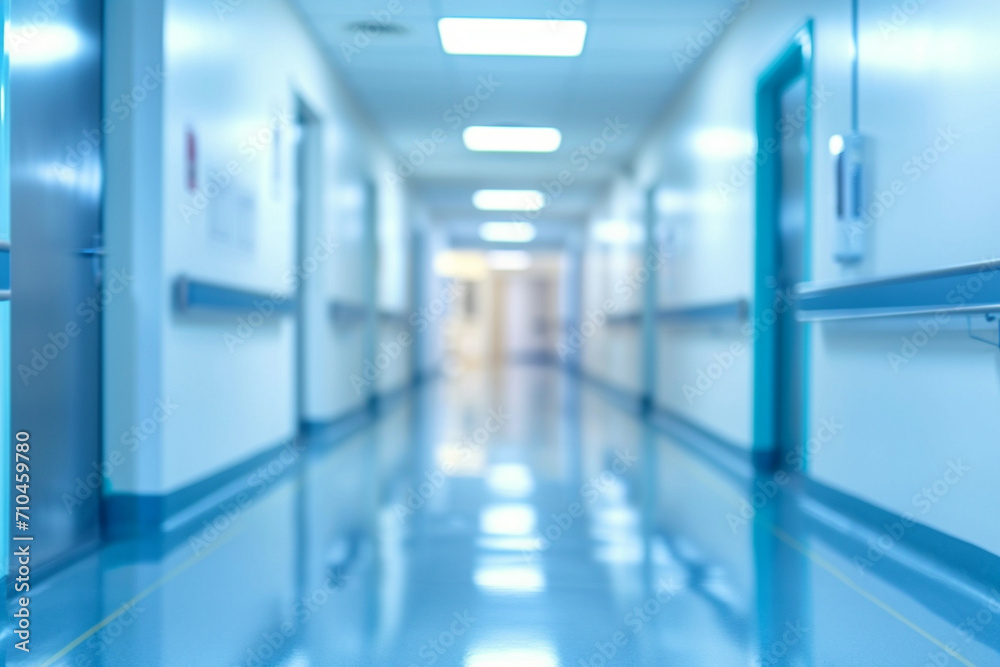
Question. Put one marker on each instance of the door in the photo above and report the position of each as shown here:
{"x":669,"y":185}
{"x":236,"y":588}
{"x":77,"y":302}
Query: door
{"x":780,"y":356}
{"x":791,"y":226}
{"x":310,"y":254}
{"x":6,"y":432}
{"x":784,"y":117}
{"x":56,"y":182}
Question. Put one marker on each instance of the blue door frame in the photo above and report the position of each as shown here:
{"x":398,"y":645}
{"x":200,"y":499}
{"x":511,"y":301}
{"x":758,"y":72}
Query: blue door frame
{"x":794,"y":61}
{"x":5,"y":425}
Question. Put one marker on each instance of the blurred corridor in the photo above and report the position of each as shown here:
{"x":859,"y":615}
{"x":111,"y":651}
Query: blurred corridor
{"x":564,"y":333}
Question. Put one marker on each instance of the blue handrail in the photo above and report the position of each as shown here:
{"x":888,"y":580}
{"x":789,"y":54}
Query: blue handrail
{"x":346,"y":314}
{"x":195,"y":295}
{"x":4,"y":270}
{"x":625,"y":319}
{"x":393,"y":317}
{"x":737,"y":310}
{"x":967,"y":289}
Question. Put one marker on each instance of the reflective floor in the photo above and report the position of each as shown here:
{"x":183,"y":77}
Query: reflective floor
{"x":519,"y":519}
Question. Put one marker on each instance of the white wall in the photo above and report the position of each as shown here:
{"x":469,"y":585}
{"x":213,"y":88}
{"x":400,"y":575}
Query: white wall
{"x":439,"y":297}
{"x":395,"y":280}
{"x":235,"y":396}
{"x":920,"y":74}
{"x":614,"y":274}
{"x":336,"y":349}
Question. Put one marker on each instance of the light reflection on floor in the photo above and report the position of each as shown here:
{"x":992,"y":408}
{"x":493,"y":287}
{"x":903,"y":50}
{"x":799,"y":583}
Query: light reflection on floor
{"x":517,"y":519}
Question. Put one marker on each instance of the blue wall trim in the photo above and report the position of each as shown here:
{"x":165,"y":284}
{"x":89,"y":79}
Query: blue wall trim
{"x":4,"y":270}
{"x":950,"y":576}
{"x":736,"y":461}
{"x":339,"y":427}
{"x":132,"y":515}
{"x":629,"y":401}
{"x":154,"y":518}
{"x":729,"y":310}
{"x":382,"y":402}
{"x":968,"y":288}
{"x":348,"y":314}
{"x":400,"y":319}
{"x":137,"y":515}
{"x":625,"y":319}
{"x":192,"y":295}
{"x":537,"y":358}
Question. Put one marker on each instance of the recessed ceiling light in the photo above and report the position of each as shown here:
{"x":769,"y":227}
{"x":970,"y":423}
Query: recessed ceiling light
{"x":512,"y":139}
{"x":507,"y":232}
{"x":508,"y":200}
{"x":512,"y":37}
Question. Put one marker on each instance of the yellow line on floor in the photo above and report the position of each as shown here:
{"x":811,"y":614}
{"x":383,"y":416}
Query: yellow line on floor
{"x":850,"y":583}
{"x":142,"y":594}
{"x":734,"y":497}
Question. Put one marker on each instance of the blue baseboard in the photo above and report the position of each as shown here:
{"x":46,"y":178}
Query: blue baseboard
{"x":335,"y":430}
{"x":949,"y":576}
{"x":380,"y":404}
{"x":628,"y":401}
{"x":129,"y":516}
{"x":736,"y":461}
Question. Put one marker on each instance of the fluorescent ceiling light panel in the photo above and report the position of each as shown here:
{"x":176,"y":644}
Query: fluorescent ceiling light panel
{"x":512,"y":139}
{"x":512,"y":37}
{"x":508,"y":200}
{"x":507,"y":232}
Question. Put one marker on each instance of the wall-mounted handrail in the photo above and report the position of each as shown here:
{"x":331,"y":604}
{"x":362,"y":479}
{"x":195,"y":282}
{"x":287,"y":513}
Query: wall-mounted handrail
{"x":345,"y":313}
{"x":625,"y":319}
{"x":4,"y":270}
{"x":195,"y":295}
{"x":737,"y":310}
{"x":394,"y":317}
{"x":967,"y":289}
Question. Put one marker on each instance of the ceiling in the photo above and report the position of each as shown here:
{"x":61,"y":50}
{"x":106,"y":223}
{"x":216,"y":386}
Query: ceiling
{"x":407,"y":84}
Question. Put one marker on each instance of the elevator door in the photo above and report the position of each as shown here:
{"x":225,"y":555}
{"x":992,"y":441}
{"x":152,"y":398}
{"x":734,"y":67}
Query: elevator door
{"x":56,"y":183}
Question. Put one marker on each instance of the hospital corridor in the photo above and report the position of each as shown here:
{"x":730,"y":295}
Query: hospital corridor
{"x":549,"y":333}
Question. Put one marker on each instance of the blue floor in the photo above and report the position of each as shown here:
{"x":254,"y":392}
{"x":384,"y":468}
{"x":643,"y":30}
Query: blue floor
{"x":519,"y":519}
